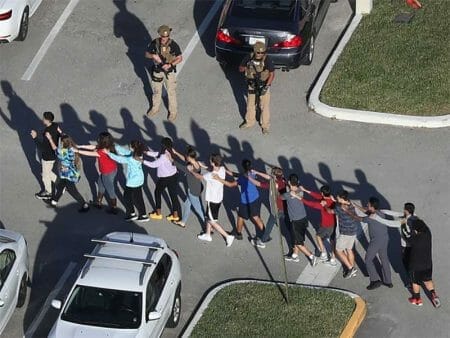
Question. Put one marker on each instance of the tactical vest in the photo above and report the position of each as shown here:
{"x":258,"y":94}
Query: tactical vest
{"x":252,"y":69}
{"x":164,"y":51}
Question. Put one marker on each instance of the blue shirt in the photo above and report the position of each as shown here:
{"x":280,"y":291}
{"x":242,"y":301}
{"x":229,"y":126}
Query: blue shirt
{"x":135,"y":174}
{"x":249,"y":192}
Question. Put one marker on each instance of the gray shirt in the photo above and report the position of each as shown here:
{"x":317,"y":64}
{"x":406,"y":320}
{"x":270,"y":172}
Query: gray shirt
{"x":195,"y":186}
{"x":378,"y":230}
{"x":296,"y":208}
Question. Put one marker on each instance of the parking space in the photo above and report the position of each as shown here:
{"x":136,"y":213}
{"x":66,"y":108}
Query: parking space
{"x":93,"y":78}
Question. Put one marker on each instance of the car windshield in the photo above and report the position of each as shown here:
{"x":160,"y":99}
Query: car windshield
{"x":104,"y":307}
{"x":265,"y":9}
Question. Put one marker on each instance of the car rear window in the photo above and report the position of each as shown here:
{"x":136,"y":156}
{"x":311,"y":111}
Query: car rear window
{"x":283,"y":10}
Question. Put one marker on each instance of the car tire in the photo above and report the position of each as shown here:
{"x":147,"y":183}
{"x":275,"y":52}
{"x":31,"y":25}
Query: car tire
{"x":176,"y":310}
{"x":23,"y":288}
{"x":23,"y":30}
{"x":309,"y":55}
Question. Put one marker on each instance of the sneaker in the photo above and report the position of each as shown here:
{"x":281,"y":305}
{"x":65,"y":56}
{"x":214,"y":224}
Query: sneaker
{"x":206,"y":237}
{"x":143,"y":218}
{"x":323,"y":257}
{"x":229,"y":239}
{"x":172,"y":117}
{"x":374,"y":285}
{"x":151,"y":112}
{"x":313,"y":261}
{"x":96,"y":204}
{"x":238,"y":236}
{"x":352,"y":272}
{"x":388,"y":285}
{"x":84,"y":208}
{"x":415,"y":301}
{"x":172,"y":218}
{"x":155,"y":215}
{"x":291,"y":258}
{"x":131,"y":217}
{"x":53,"y":202}
{"x":265,"y":131}
{"x":331,"y":262}
{"x":257,"y":242}
{"x":435,"y":300}
{"x":43,"y":195}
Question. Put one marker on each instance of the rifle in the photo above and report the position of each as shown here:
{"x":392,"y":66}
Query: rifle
{"x":259,"y":87}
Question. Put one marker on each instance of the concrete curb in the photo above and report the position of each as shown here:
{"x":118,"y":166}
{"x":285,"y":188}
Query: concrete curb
{"x":345,"y":114}
{"x":348,"y":332}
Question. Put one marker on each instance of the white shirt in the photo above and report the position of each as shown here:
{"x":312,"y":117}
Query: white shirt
{"x":214,"y":188}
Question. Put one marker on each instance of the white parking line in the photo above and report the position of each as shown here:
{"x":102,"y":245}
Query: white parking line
{"x":49,"y":40}
{"x":37,"y":320}
{"x":200,"y":31}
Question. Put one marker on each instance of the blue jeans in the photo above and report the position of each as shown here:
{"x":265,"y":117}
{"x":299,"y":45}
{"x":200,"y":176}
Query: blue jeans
{"x":194,"y":202}
{"x":106,"y":183}
{"x":270,"y":224}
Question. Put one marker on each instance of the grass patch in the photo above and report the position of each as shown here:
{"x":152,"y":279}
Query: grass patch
{"x":258,"y":310}
{"x":395,"y":68}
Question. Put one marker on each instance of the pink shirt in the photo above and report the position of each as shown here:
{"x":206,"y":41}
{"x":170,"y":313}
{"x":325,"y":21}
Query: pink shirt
{"x":163,"y":164}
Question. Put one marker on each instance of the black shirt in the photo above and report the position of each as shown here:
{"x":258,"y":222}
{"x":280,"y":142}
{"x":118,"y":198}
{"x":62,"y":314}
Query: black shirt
{"x":47,"y":153}
{"x":268,"y":64}
{"x":420,"y":258}
{"x":175,"y":50}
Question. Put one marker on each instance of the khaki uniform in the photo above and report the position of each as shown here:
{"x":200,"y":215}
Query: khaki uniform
{"x":168,"y":79}
{"x":253,"y":68}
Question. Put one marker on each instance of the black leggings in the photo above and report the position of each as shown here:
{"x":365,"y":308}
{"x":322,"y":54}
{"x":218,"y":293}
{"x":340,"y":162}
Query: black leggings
{"x":133,"y":198}
{"x":172,"y":185}
{"x":62,"y":183}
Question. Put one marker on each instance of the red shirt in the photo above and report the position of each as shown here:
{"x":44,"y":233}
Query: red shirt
{"x":327,"y":219}
{"x":106,"y":165}
{"x":281,"y":184}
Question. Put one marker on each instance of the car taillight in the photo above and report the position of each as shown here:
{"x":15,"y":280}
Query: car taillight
{"x":6,"y":15}
{"x":223,"y":35}
{"x":290,"y":42}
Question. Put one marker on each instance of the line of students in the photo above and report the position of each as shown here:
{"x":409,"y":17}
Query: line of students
{"x":290,"y":203}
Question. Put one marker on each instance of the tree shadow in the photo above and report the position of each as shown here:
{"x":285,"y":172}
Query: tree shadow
{"x":66,"y":238}
{"x":136,"y":37}
{"x":22,"y":119}
{"x":201,"y":9}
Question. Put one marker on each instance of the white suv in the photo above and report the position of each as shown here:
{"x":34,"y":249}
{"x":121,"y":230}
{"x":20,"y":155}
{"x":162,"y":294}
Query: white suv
{"x":13,"y":274}
{"x":129,"y":287}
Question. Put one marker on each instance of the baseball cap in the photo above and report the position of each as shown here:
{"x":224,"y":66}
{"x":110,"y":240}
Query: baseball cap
{"x":164,"y":30}
{"x":259,"y":47}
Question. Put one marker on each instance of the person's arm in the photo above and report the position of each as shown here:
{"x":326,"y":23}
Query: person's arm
{"x":359,"y":207}
{"x":123,"y":151}
{"x":229,"y":184}
{"x":152,"y":153}
{"x":154,"y":164}
{"x":387,"y":222}
{"x":50,"y":140}
{"x":261,"y":174}
{"x":243,"y":64}
{"x":36,"y":139}
{"x":196,"y":175}
{"x":179,"y":155}
{"x":88,"y":153}
{"x":254,"y":181}
{"x":271,"y":68}
{"x":181,"y":167}
{"x":330,"y":210}
{"x":118,"y":158}
{"x":86,"y":146}
{"x":392,"y":213}
{"x":312,"y":204}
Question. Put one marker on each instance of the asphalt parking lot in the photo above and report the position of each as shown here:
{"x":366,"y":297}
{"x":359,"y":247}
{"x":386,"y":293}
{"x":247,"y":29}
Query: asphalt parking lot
{"x":93,"y":78}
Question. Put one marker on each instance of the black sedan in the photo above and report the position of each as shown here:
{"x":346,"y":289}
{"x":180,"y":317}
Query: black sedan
{"x":287,"y":27}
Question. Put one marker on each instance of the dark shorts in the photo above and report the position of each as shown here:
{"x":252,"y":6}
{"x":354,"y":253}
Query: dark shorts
{"x":418,"y":277}
{"x":212,"y":211}
{"x":325,"y":232}
{"x":247,"y":211}
{"x":299,"y":230}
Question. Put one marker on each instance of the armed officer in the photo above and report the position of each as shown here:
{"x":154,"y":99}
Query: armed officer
{"x":259,"y":73}
{"x":165,"y":54}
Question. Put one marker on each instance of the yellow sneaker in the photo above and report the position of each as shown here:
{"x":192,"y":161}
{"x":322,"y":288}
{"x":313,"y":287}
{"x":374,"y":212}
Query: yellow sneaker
{"x":171,"y":218}
{"x":155,"y":215}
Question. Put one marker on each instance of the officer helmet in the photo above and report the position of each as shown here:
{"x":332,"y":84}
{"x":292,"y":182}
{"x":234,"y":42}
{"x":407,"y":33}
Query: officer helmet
{"x":259,"y":47}
{"x":164,"y":31}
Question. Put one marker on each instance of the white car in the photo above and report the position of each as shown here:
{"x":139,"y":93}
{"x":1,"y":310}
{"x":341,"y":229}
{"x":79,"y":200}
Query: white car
{"x":13,"y":274}
{"x":129,"y":287}
{"x":14,"y":17}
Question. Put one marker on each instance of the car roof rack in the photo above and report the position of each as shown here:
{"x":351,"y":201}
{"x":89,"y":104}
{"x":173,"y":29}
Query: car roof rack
{"x":147,"y":262}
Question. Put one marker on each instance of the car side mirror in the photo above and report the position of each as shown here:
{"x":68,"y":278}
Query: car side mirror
{"x":2,"y":303}
{"x":57,"y":304}
{"x":154,"y":315}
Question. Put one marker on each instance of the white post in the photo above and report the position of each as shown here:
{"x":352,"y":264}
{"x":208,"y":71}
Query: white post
{"x":364,"y":6}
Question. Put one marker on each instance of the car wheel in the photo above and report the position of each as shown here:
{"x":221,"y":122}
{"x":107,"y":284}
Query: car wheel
{"x":23,"y":31}
{"x":176,"y":310}
{"x":22,"y":291}
{"x":309,"y":52}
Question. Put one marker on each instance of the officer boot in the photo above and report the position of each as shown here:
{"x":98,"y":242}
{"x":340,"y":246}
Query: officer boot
{"x":113,"y":207}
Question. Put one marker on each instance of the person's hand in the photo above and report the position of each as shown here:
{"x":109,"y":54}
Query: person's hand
{"x":216,"y":177}
{"x":402,"y":221}
{"x":293,"y":194}
{"x":190,"y":167}
{"x":47,"y":135}
{"x":106,"y":150}
{"x":302,"y":188}
{"x":167,"y":67}
{"x":33,"y":133}
{"x":323,"y":203}
{"x":59,"y":130}
{"x":333,"y":198}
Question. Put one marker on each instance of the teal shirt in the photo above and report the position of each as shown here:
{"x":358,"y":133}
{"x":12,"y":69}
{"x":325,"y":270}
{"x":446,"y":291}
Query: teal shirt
{"x":135,"y":173}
